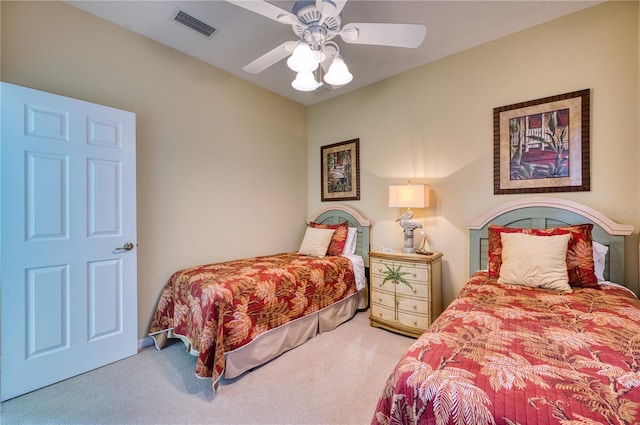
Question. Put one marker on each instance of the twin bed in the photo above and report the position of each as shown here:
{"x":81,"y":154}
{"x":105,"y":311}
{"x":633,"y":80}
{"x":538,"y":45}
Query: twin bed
{"x":561,"y":347}
{"x":237,"y":315}
{"x":511,"y":354}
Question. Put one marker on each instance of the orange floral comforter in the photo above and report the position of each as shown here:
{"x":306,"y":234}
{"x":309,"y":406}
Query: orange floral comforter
{"x":503,"y":354}
{"x":221,"y":307}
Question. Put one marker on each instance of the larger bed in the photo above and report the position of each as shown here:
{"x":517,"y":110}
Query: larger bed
{"x":237,"y":315}
{"x":505,"y":353}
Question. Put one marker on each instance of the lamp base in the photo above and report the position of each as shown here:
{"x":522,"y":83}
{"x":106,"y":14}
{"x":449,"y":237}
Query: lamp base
{"x":408,"y":241}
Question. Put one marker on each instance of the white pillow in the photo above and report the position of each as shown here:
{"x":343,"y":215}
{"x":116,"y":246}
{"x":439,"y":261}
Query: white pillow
{"x":599,"y":254}
{"x":316,"y":242}
{"x":350,"y":243}
{"x":535,"y":261}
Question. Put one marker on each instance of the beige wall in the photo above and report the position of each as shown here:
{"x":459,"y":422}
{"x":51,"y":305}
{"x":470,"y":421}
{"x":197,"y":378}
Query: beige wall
{"x":218,"y":167}
{"x":434,"y":125}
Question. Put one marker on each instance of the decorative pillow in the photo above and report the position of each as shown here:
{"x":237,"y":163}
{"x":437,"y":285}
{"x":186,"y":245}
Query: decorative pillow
{"x":316,"y":242}
{"x":339,"y":237}
{"x":599,"y":255}
{"x":350,"y":244}
{"x":495,"y":246}
{"x":580,"y":266}
{"x":535,"y":261}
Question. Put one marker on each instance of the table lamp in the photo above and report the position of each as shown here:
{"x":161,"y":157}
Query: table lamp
{"x":408,"y":196}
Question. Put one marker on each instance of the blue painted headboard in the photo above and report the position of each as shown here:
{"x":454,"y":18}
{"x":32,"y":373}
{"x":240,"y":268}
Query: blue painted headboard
{"x":542,"y":213}
{"x":339,"y":213}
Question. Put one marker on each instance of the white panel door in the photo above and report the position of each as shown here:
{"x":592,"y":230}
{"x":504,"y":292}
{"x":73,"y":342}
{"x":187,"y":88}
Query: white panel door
{"x":68,"y":233}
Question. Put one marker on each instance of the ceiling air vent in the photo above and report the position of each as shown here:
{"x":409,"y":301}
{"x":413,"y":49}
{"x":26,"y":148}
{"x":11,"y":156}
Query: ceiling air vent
{"x":193,"y":23}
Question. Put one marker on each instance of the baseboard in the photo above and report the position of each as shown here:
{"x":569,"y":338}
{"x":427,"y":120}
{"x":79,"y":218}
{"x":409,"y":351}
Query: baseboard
{"x":145,"y":342}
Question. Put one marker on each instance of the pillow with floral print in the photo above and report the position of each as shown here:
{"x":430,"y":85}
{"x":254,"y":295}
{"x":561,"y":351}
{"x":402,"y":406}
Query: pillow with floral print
{"x":339,"y":237}
{"x":580,"y":265}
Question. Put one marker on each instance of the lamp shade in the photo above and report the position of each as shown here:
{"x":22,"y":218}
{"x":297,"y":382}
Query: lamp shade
{"x":305,"y":81}
{"x":302,"y":59}
{"x":338,"y":74}
{"x":408,"y":196}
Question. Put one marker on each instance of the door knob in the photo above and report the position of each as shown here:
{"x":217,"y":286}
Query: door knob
{"x":126,"y":247}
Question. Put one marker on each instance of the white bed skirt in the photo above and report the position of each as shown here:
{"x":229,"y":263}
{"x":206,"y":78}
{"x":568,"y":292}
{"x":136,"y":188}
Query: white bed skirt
{"x":276,"y":341}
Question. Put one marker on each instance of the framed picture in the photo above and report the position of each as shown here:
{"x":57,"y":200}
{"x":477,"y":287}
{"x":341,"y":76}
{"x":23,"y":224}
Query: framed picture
{"x":340,"y":171}
{"x":542,"y":145}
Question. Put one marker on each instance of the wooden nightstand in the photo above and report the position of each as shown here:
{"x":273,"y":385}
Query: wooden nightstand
{"x":409,"y":304}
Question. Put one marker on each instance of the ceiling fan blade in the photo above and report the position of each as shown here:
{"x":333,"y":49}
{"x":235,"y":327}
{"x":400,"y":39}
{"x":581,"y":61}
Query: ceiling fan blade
{"x":267,"y":9}
{"x":330,"y":7}
{"x":396,"y":35}
{"x":271,"y":57}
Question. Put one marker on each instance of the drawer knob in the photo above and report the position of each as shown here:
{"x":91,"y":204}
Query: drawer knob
{"x":414,"y":290}
{"x":380,"y":299}
{"x":380,"y":314}
{"x":415,"y":275}
{"x":415,"y":306}
{"x":415,"y":323}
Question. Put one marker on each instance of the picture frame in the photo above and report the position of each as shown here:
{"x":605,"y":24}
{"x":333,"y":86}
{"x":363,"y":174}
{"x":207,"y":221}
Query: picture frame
{"x":542,"y":145}
{"x":340,"y":171}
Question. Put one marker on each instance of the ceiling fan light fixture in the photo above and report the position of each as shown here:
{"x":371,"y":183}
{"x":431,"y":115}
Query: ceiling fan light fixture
{"x":338,"y":74}
{"x":302,"y":59}
{"x":316,"y":23}
{"x":305,"y":81}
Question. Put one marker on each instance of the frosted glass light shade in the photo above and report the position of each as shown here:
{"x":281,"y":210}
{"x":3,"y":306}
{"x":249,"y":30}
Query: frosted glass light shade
{"x":305,"y":81}
{"x":408,"y":196}
{"x":302,"y":59}
{"x":338,"y":74}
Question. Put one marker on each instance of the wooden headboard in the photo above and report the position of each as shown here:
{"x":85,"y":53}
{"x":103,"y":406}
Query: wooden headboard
{"x":338,"y":213}
{"x":542,"y":213}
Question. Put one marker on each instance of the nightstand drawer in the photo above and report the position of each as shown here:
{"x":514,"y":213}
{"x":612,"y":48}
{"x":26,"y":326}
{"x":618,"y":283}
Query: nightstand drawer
{"x":413,"y":305}
{"x":415,"y":290}
{"x":417,"y":272}
{"x":409,"y":289}
{"x":383,"y":313}
{"x":410,"y":305}
{"x":413,"y":321}
{"x":383,"y":298}
{"x":418,"y":322}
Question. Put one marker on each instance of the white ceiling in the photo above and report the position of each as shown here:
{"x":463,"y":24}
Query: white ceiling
{"x":242,"y":36}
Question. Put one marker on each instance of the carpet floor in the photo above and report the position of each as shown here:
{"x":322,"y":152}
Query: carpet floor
{"x":334,"y":378}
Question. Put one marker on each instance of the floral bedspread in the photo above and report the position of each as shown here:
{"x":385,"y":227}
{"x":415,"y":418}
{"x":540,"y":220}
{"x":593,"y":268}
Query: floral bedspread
{"x":504,"y":354}
{"x":221,"y":307}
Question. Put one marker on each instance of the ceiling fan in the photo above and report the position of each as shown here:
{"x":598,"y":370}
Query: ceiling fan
{"x":316,"y":23}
